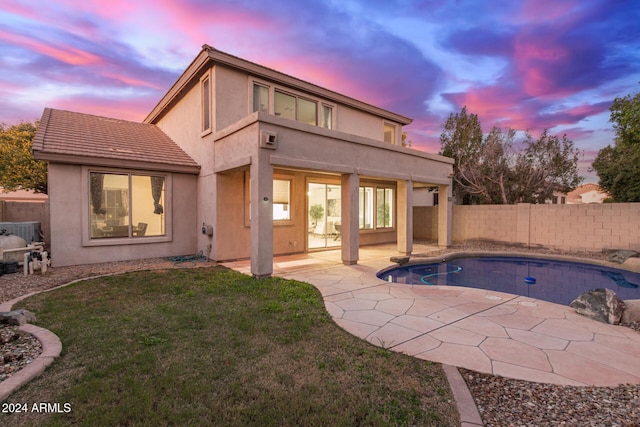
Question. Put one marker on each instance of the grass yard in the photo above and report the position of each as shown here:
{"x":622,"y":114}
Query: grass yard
{"x":215,"y":347}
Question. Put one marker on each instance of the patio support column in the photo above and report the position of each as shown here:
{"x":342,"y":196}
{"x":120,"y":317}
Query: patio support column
{"x":445,"y":207}
{"x":404,"y":220}
{"x":261,"y":178}
{"x":350,"y":232}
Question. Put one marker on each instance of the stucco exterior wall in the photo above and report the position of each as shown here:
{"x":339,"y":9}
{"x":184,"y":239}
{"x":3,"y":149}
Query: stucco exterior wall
{"x":352,"y":121}
{"x":231,"y":96}
{"x":67,"y":202}
{"x":183,"y":123}
{"x":566,"y":227}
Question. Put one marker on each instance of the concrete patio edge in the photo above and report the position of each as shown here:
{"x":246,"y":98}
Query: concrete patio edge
{"x":469,"y":414}
{"x":51,"y":349}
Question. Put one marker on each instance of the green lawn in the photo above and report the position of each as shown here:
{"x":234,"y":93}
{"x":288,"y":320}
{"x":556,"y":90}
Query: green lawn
{"x":215,"y":347}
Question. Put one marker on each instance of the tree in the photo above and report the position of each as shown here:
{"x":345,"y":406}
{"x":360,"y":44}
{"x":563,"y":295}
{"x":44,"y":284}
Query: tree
{"x":546,"y":165}
{"x":618,"y":166}
{"x":18,"y":168}
{"x":461,"y":139}
{"x":490,"y":170}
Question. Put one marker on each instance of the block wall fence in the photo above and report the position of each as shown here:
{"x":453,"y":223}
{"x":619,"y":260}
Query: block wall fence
{"x":591,"y":227}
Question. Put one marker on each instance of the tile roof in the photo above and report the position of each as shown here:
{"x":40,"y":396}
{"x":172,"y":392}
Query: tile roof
{"x":83,"y":135}
{"x":575,"y":196}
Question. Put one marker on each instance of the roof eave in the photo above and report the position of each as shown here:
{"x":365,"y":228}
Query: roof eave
{"x":211,"y":55}
{"x":114,"y":163}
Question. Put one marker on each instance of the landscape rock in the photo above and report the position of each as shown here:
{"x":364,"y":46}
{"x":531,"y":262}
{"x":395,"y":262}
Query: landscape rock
{"x":621,"y":256}
{"x":600,"y":304}
{"x":17,"y":317}
{"x":401,"y":260}
{"x":631,"y":313}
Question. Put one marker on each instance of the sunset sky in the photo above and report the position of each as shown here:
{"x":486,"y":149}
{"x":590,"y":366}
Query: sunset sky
{"x":526,"y":64}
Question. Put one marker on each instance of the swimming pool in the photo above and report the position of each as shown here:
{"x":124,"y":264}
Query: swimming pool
{"x":549,"y":280}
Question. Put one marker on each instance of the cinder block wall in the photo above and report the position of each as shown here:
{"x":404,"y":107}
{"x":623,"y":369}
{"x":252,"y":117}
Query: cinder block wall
{"x":569,"y":227}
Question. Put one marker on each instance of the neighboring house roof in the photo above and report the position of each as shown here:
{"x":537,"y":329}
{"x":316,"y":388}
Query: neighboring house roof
{"x":211,"y":56}
{"x":68,"y":137}
{"x":578,"y":195}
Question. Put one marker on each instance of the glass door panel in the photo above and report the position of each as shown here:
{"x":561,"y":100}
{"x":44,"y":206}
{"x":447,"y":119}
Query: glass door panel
{"x":324,"y":215}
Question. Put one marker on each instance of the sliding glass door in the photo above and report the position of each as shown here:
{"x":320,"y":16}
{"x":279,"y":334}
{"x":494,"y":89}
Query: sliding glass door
{"x":324,"y":201}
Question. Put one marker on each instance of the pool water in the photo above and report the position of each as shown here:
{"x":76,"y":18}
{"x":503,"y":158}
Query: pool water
{"x":549,"y":280}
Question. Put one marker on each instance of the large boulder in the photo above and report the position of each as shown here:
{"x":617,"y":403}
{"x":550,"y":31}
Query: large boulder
{"x":621,"y":256}
{"x":16,"y":317}
{"x":631,"y":312}
{"x":600,"y":304}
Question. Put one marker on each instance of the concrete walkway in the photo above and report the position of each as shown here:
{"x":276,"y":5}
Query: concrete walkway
{"x":486,"y":331}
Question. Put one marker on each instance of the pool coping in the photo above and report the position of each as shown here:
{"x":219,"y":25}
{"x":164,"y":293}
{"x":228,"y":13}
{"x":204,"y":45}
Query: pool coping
{"x":632,"y":267}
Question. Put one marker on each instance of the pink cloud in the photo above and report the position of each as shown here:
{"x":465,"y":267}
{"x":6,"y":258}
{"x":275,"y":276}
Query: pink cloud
{"x":535,"y":58}
{"x":544,"y":11}
{"x":67,"y":54}
{"x":132,"y":81}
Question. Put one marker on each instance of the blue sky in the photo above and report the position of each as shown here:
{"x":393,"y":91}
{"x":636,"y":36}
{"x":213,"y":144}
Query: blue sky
{"x":529,"y":64}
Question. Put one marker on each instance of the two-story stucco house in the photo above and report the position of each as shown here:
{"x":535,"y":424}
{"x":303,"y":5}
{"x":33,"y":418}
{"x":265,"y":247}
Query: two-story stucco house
{"x":237,"y":161}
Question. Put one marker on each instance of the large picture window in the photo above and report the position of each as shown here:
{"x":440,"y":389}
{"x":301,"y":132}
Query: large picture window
{"x":126,"y":205}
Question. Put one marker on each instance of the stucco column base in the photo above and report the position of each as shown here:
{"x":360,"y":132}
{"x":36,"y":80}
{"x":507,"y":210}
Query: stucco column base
{"x":261,"y":176}
{"x":404,"y":222}
{"x":350,"y":234}
{"x":445,"y":208}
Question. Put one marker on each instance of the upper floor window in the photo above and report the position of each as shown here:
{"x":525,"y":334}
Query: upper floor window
{"x":389,"y":133}
{"x":291,"y":106}
{"x":260,"y":98}
{"x":285,"y":105}
{"x":206,"y":104}
{"x":326,"y":116}
{"x":295,"y":108}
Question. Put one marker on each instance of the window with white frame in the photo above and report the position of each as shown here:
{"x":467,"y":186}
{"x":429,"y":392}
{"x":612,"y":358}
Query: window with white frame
{"x":281,"y":199}
{"x":384,"y":207}
{"x":389,"y":133}
{"x":365,"y":205}
{"x":205,"y":87}
{"x":126,"y":205}
{"x":326,"y":116}
{"x":376,"y":207}
{"x":291,"y":106}
{"x":260,"y":98}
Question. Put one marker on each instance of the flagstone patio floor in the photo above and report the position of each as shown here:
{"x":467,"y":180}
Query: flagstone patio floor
{"x":486,"y":331}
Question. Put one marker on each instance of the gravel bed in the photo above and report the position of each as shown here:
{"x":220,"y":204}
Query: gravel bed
{"x":508,"y":402}
{"x":17,"y":350}
{"x":501,"y":401}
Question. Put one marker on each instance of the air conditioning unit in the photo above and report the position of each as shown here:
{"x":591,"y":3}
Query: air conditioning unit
{"x":268,"y":140}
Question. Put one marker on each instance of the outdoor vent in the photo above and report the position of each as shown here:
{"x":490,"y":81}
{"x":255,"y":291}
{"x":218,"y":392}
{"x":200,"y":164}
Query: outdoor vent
{"x":268,"y":140}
